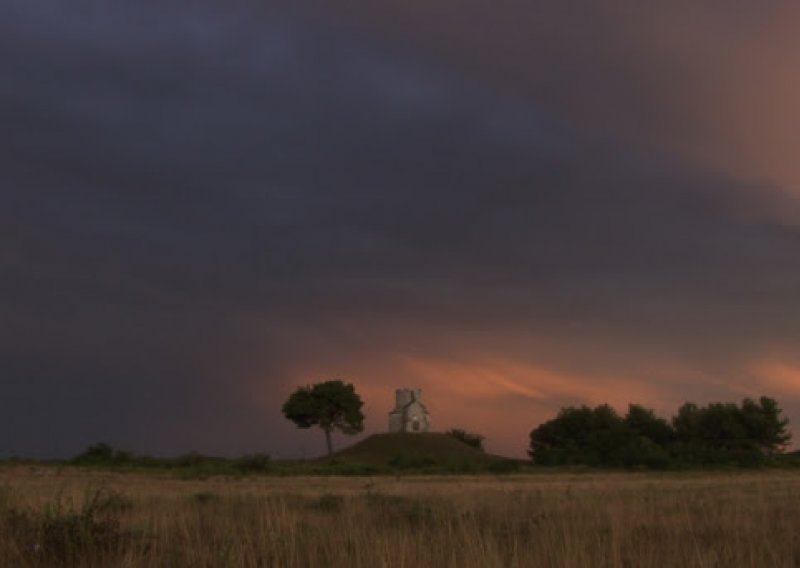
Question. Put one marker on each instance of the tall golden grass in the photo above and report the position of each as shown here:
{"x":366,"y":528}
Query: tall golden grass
{"x":594,"y":519}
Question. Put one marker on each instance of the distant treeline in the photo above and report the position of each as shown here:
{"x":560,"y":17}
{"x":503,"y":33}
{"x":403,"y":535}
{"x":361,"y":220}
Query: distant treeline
{"x":198,"y":466}
{"x":751,"y":434}
{"x":718,"y":434}
{"x":103,"y":455}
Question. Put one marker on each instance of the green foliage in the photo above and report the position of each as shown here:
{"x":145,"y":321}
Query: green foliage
{"x":192,"y":465}
{"x":254,"y":463}
{"x":727,"y":434}
{"x":474,"y":440}
{"x":765,"y":425}
{"x":717,"y":434}
{"x":596,"y":437}
{"x":646,"y":424}
{"x":193,"y":459}
{"x":101,"y":454}
{"x":331,"y":405}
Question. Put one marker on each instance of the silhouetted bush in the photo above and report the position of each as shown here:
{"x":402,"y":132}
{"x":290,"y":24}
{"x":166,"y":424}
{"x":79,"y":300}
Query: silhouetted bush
{"x":254,"y":463}
{"x":474,"y":440}
{"x":97,"y":454}
{"x":717,"y":435}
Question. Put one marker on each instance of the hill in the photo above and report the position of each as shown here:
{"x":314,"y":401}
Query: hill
{"x":428,"y":449}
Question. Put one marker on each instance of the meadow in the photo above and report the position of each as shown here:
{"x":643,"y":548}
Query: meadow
{"x":68,"y":516}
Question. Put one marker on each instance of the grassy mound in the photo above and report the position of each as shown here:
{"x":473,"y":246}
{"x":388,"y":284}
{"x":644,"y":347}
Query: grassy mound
{"x":415,"y":451}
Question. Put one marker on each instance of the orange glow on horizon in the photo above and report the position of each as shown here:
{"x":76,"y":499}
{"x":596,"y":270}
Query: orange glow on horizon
{"x":503,"y":398}
{"x":498,"y":398}
{"x":779,"y":376}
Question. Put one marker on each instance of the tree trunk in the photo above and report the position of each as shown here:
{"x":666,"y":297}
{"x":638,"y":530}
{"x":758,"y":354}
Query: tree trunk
{"x":328,"y":441}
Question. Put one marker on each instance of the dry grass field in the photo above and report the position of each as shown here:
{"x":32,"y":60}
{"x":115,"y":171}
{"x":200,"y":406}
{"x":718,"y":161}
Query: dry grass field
{"x":63,"y":516}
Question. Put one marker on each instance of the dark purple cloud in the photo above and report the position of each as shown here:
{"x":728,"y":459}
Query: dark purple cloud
{"x":200,"y":203}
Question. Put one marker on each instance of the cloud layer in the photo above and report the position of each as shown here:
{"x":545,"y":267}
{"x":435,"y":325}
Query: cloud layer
{"x":205,"y":206}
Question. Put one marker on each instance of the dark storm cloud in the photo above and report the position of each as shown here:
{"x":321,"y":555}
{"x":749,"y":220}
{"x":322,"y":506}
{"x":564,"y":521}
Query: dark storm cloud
{"x":664,"y":74}
{"x":196,"y":195}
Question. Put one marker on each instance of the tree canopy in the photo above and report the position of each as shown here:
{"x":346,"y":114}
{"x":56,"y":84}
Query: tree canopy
{"x":746,"y":434}
{"x":331,"y":405}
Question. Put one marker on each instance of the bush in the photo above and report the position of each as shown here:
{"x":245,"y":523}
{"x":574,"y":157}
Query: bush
{"x":193,"y":460}
{"x":474,"y":440}
{"x":97,"y":454}
{"x":102,"y":454}
{"x":254,"y":463}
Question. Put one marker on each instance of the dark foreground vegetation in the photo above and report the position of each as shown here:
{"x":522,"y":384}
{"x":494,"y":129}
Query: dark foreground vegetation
{"x":746,"y":435}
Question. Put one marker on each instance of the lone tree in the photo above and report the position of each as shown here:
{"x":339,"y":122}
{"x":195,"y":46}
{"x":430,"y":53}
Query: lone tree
{"x":331,"y":405}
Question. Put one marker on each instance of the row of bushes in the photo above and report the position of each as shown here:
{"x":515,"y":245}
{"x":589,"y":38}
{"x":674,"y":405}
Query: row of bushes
{"x":103,"y":455}
{"x":749,"y":434}
{"x":197,"y":465}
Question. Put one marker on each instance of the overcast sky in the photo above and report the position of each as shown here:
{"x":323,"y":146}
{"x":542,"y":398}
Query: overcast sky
{"x":513,"y":205}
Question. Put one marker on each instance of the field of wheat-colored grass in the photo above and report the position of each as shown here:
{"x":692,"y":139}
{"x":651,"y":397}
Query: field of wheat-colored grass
{"x":64,"y":516}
